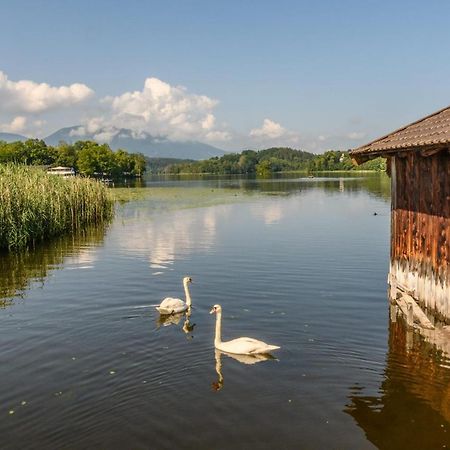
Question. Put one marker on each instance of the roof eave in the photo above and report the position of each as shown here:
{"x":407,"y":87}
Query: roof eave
{"x":362,"y":156}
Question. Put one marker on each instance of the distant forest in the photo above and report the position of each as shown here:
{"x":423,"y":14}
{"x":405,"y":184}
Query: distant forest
{"x":162,"y":165}
{"x":277,"y":159}
{"x":92,"y":159}
{"x":86,"y":157}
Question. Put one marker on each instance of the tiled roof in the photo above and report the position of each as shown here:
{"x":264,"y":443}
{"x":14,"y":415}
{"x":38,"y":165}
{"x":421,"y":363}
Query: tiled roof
{"x":431,"y":130}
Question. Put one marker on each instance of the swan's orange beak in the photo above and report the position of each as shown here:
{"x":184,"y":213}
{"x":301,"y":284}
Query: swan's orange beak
{"x":212,"y":311}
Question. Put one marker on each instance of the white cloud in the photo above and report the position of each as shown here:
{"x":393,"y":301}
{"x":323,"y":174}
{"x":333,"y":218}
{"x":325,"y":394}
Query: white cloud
{"x":78,"y":132}
{"x":218,"y":136}
{"x":269,"y":129}
{"x":160,"y":110}
{"x":15,"y":126}
{"x":106,"y":135}
{"x":25,"y":96}
{"x":273,"y":133}
{"x":39,"y":123}
{"x":356,"y":135}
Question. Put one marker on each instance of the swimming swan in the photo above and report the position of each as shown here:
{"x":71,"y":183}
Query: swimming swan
{"x":239,"y":346}
{"x":175,"y":305}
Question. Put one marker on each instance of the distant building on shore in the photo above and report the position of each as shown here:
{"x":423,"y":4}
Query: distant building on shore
{"x":62,"y":171}
{"x":418,"y":162}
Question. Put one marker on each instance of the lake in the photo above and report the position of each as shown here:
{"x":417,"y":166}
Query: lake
{"x":86,"y":362}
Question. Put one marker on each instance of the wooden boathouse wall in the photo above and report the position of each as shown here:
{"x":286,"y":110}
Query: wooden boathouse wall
{"x":418,"y":158}
{"x":420,"y":227}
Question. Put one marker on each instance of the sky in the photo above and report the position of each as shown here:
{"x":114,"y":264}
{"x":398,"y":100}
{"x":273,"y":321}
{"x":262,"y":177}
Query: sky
{"x":235,"y":74}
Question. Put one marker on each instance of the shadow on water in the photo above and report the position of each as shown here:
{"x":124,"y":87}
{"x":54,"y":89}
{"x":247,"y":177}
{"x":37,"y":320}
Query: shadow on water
{"x":413,"y":408}
{"x":19,"y":269}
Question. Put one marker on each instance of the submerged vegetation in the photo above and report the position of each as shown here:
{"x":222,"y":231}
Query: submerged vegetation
{"x":35,"y":205}
{"x":273,"y":160}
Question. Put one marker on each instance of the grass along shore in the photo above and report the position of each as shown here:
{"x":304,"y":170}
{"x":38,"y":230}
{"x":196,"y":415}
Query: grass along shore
{"x":35,"y":205}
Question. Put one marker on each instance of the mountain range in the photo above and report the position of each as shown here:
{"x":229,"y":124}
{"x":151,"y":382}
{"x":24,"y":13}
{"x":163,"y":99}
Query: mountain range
{"x":12,"y":137}
{"x":150,"y":146}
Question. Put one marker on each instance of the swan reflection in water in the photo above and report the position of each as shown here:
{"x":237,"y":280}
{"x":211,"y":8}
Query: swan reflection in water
{"x":244,"y":359}
{"x":175,"y":319}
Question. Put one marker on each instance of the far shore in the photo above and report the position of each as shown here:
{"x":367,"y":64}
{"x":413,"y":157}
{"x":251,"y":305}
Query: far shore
{"x":275,"y":173}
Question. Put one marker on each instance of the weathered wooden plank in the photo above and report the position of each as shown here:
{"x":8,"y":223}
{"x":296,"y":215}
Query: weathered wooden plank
{"x":420,"y":228}
{"x":418,"y":314}
{"x":430,"y":151}
{"x":412,"y":312}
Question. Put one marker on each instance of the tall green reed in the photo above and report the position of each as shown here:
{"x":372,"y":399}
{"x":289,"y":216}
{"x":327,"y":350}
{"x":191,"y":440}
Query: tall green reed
{"x":35,"y":205}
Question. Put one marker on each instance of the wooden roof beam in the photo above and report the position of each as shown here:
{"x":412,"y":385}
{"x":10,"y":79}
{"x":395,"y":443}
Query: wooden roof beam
{"x":430,"y":151}
{"x":425,"y":152}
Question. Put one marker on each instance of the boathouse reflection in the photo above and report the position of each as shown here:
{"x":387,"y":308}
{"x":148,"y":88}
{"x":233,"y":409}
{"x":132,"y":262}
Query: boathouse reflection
{"x":412,"y":410}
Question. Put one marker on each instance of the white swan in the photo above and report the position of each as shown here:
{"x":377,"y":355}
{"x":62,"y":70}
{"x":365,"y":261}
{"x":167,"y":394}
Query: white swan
{"x":239,"y":346}
{"x":175,"y":305}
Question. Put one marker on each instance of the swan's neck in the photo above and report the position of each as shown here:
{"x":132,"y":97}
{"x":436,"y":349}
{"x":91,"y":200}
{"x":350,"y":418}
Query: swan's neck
{"x":218,"y":356}
{"x":218,"y":338}
{"x":188,"y":296}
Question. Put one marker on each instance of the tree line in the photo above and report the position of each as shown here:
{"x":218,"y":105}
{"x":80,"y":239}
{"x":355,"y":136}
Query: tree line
{"x":277,"y":159}
{"x":86,"y":157}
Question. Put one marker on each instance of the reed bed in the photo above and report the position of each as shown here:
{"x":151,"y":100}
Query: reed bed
{"x":35,"y":205}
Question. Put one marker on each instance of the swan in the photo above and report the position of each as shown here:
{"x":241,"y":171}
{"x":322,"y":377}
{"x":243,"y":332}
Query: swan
{"x":239,"y":346}
{"x":175,"y":305}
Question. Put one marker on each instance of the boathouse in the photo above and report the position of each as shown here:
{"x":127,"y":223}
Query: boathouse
{"x":418,"y":162}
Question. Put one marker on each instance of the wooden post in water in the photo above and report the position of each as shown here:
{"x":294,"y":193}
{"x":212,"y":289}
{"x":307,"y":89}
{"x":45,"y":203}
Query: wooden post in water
{"x":393,"y":312}
{"x":410,"y":315}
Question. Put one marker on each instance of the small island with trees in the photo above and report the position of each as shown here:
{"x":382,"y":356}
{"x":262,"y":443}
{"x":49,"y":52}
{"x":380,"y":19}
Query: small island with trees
{"x":272,"y":160}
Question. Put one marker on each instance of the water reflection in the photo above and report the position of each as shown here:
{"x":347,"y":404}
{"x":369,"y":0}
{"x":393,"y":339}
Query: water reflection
{"x":193,"y":227}
{"x":412,"y":409}
{"x":175,"y":319}
{"x":18,"y":270}
{"x":271,"y":215}
{"x":189,"y":229}
{"x":82,"y":355}
{"x":243,"y":359}
{"x":377,"y":184}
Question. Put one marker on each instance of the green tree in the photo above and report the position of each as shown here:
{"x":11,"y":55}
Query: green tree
{"x":87,"y":159}
{"x":66,"y":155}
{"x":12,"y":152}
{"x":139,"y":164}
{"x":264,"y":168}
{"x":36,"y":152}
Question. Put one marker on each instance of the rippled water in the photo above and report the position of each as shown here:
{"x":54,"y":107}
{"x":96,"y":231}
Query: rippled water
{"x":85,"y":361}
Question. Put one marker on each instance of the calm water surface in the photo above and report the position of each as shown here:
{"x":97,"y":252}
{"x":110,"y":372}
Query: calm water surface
{"x":86,"y":363}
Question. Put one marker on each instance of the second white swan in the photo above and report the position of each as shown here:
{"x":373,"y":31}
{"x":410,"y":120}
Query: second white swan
{"x":175,"y":305}
{"x":239,"y":346}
